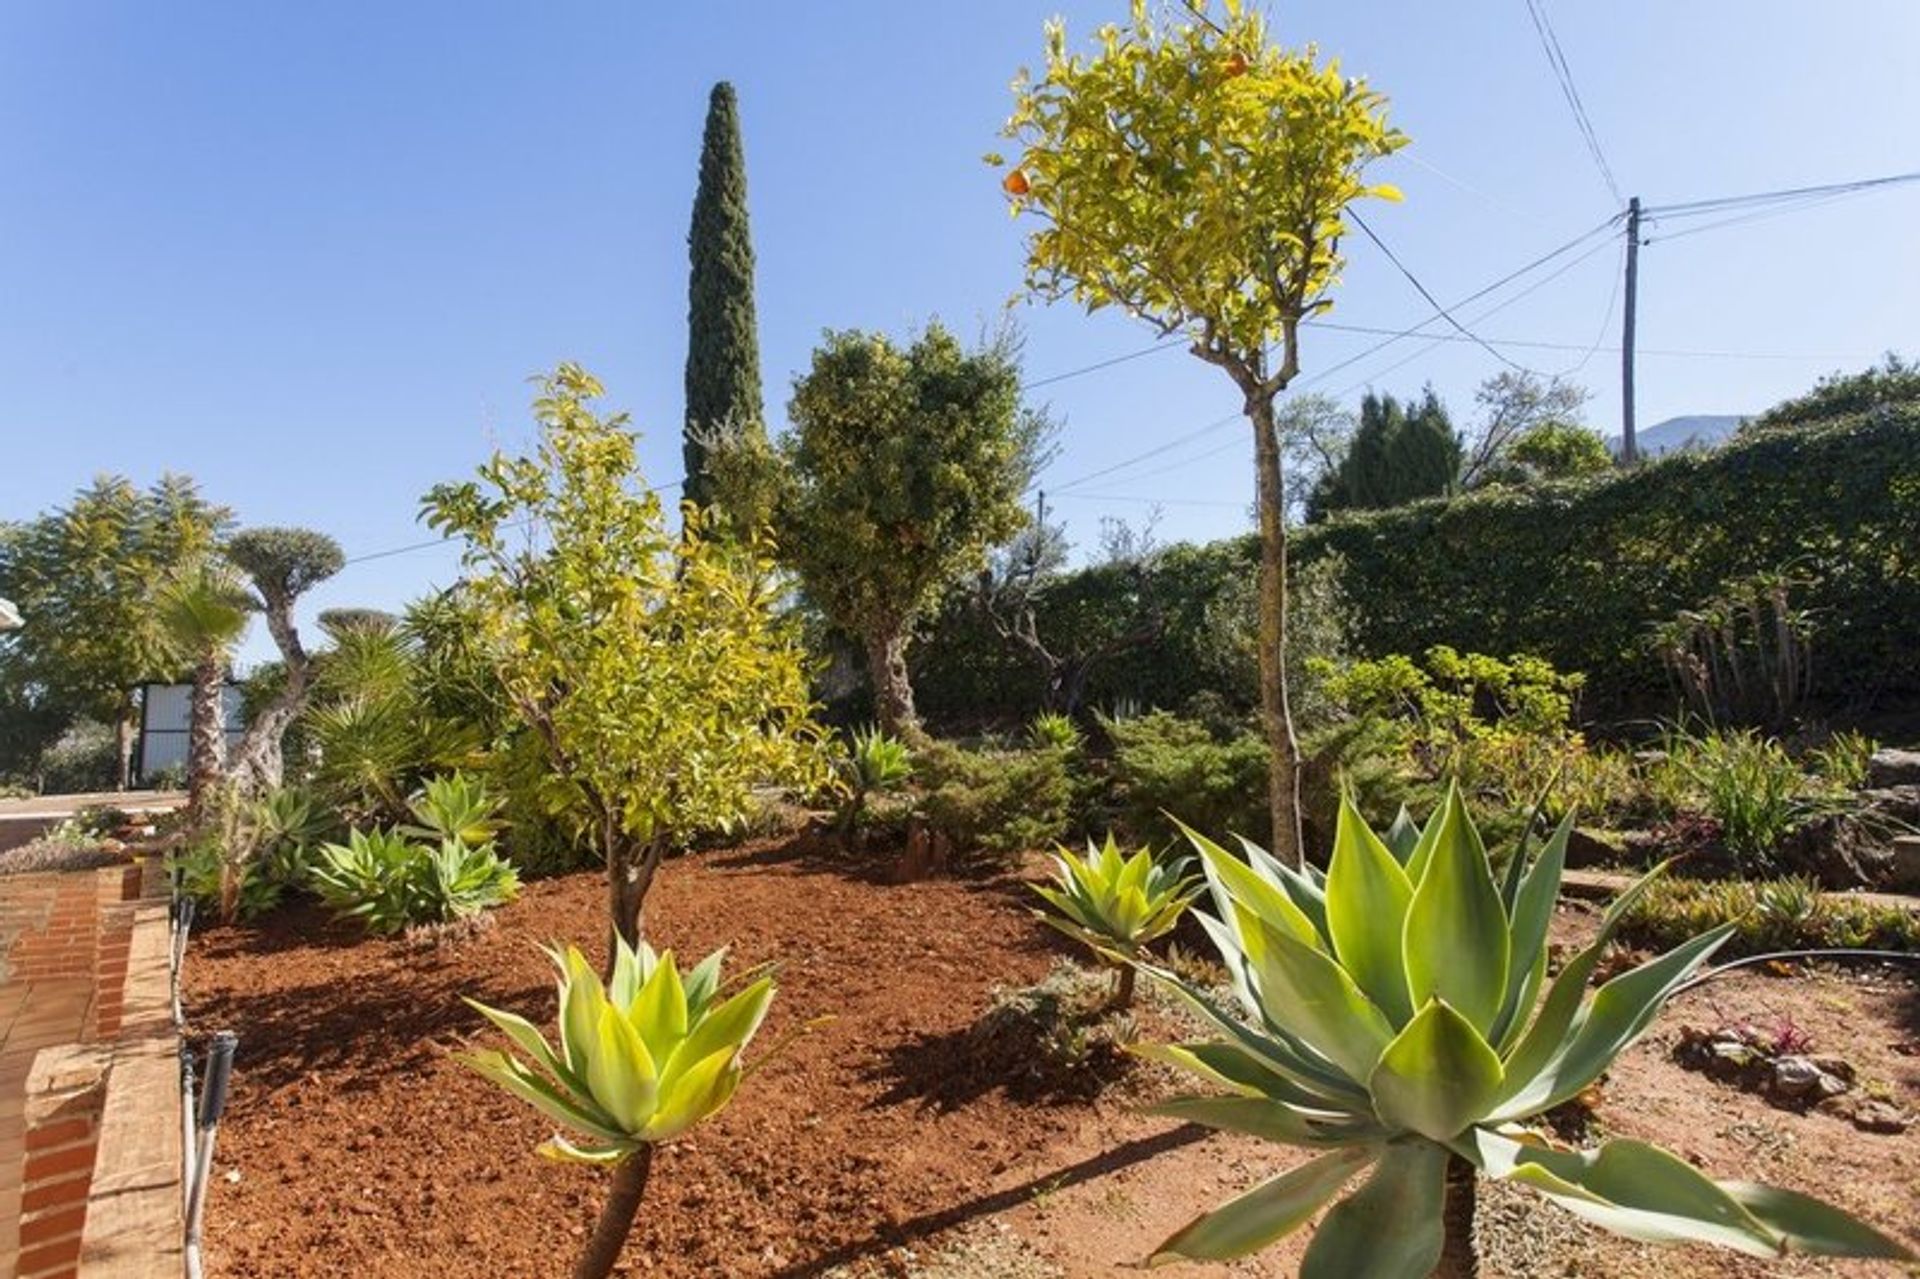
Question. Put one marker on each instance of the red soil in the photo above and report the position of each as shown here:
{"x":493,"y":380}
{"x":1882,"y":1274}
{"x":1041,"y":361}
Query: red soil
{"x":355,"y":1146}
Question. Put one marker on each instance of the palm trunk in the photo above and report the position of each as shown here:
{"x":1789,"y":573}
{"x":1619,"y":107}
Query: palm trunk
{"x":206,"y":732}
{"x":892,"y":689}
{"x":1458,"y":1257}
{"x":616,"y":1219}
{"x":1276,"y":715}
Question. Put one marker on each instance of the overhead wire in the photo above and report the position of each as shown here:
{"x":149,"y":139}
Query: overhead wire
{"x":1563,"y":72}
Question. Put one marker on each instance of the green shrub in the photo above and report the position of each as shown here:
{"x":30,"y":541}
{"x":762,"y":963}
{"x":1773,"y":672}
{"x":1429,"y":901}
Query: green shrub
{"x":1165,"y":767}
{"x":200,"y":870}
{"x":1778,"y":914}
{"x":1750,"y":785}
{"x":389,"y":883}
{"x":997,"y":801}
{"x":1842,"y":761}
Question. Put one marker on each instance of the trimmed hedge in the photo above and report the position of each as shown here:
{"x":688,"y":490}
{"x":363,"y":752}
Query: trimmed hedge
{"x":1580,"y":572}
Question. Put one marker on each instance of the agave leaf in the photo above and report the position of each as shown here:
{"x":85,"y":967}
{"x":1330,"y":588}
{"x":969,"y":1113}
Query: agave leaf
{"x":1532,"y":913}
{"x":1320,"y":1004}
{"x":702,"y":983}
{"x":1456,"y":933}
{"x":1232,"y":1067}
{"x":528,"y":1038}
{"x":1423,"y":847}
{"x":543,"y":1096}
{"x":693,"y":1094}
{"x":1811,"y":1226}
{"x":1390,"y":1228}
{"x":1276,"y":1051}
{"x":621,"y":1071}
{"x":1620,"y":1011}
{"x":1267,"y":1212}
{"x":660,"y":1010}
{"x":1305,"y":887}
{"x":730,"y":1024}
{"x":1438,"y":1077}
{"x":1269,"y":1120}
{"x":1234,"y":881}
{"x":1367,"y":898}
{"x":1402,"y":836}
{"x":559,"y":1149}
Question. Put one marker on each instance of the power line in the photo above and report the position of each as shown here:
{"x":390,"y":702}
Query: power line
{"x":1427,"y":293}
{"x":1689,"y":208}
{"x":1557,"y":59}
{"x":1167,"y":344}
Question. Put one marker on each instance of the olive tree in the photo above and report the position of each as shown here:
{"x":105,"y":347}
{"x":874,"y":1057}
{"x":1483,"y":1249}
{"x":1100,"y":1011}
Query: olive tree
{"x":903,"y":467}
{"x":657,"y":673}
{"x":282,"y":564}
{"x":1196,"y":175}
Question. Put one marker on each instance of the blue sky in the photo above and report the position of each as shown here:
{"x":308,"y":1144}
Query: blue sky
{"x":309,"y":254}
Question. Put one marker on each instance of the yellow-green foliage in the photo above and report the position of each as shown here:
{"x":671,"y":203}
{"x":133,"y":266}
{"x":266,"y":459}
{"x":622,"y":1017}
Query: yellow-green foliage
{"x":1116,"y":902}
{"x":1776,"y":914}
{"x":653,"y":666}
{"x":642,"y":1058}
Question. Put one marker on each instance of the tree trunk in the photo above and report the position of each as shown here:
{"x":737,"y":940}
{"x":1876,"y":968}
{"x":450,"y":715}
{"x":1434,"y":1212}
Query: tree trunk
{"x":892,"y":690}
{"x":1123,"y":990}
{"x":258,"y":764}
{"x":1276,"y":715}
{"x":630,"y":869}
{"x":123,"y":730}
{"x":616,"y":1219}
{"x":206,"y":733}
{"x":1458,"y":1259}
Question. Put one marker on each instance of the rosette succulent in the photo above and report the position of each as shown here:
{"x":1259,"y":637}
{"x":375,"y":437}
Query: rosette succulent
{"x":1394,"y":1024}
{"x":642,"y":1058}
{"x":1118,"y":904}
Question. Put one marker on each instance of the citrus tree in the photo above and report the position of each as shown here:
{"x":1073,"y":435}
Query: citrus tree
{"x":656,"y":672}
{"x":1195,"y":174}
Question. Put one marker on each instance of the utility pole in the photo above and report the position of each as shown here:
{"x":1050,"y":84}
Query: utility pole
{"x":1629,"y":447}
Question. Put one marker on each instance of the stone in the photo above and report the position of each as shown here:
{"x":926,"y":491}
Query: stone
{"x":1795,"y":1077}
{"x":1903,"y":875}
{"x":1880,"y":1117}
{"x":1889,"y":767}
{"x":1588,"y":848}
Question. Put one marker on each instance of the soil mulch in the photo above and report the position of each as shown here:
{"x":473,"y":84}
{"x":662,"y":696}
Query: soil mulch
{"x":887,"y":1141}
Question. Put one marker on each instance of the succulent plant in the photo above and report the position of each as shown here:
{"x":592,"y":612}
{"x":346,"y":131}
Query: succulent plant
{"x":1117,"y":904}
{"x":1394,"y":1024}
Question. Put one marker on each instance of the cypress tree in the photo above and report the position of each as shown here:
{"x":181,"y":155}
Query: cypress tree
{"x":1400,"y":453}
{"x":723,"y":344}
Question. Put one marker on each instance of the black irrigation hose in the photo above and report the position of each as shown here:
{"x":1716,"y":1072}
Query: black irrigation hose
{"x":1870,"y":956}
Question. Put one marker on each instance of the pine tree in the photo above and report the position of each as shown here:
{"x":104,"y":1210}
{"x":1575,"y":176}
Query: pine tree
{"x":723,"y":345}
{"x":1400,"y":453}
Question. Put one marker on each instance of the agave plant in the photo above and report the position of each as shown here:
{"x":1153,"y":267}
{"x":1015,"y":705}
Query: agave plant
{"x":456,"y":806}
{"x":641,"y":1060}
{"x":875,"y":762}
{"x":1117,"y":904}
{"x":1050,"y":730}
{"x":1395,"y":1026}
{"x":390,"y":883}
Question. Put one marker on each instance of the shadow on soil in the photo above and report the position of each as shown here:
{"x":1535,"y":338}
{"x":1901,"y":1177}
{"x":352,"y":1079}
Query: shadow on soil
{"x":928,"y":1224}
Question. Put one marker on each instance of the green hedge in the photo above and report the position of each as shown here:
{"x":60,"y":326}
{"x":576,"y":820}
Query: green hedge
{"x":1580,"y":572}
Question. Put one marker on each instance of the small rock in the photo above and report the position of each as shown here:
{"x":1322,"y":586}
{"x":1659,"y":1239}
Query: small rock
{"x":1890,"y":767}
{"x":1878,"y":1116}
{"x":1795,"y":1077}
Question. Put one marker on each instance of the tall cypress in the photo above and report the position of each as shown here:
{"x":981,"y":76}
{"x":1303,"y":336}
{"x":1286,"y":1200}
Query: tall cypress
{"x":723,"y":344}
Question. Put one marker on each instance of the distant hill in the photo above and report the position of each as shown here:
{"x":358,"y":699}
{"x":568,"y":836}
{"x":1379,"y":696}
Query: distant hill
{"x":1697,"y":431}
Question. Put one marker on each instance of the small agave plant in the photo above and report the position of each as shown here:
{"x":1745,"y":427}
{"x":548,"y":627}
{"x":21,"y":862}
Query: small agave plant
{"x":1394,"y":1026}
{"x":1118,"y":904}
{"x":642,"y":1059}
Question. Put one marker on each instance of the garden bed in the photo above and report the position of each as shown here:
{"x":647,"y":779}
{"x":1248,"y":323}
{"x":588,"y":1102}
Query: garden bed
{"x":886,"y":1141}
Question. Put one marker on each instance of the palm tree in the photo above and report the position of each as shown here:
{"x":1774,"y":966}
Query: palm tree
{"x":203,"y":611}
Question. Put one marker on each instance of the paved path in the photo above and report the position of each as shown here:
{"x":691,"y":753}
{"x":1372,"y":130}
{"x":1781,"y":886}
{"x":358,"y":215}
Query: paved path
{"x":63,"y":957}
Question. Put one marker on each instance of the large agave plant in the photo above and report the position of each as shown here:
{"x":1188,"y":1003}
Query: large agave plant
{"x":1117,"y":904}
{"x":642,"y":1058}
{"x":1393,"y":1024}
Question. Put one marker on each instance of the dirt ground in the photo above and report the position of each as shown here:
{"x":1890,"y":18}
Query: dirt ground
{"x":892,"y":1141}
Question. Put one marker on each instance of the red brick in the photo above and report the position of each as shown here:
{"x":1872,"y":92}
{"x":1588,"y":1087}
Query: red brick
{"x":66,"y":1223}
{"x":64,"y":1133}
{"x":53,"y":1194}
{"x":58,"y":1163}
{"x":35,"y":1263}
